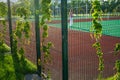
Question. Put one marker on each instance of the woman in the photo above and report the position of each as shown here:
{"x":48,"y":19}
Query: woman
{"x":71,"y":17}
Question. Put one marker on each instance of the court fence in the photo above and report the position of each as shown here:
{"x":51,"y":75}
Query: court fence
{"x":73,"y":57}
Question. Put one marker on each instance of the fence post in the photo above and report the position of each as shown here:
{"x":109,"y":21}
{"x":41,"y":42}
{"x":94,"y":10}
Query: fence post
{"x":10,"y":26}
{"x":37,"y":32}
{"x":64,"y":40}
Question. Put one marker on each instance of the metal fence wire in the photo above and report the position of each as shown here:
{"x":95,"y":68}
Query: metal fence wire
{"x":73,"y":57}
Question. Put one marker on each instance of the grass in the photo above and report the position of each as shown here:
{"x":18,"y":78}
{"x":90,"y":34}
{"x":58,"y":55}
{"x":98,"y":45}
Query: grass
{"x":12,"y":68}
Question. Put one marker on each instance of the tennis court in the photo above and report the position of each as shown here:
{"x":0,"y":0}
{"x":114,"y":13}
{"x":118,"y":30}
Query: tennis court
{"x":83,"y":60}
{"x":111,"y":25}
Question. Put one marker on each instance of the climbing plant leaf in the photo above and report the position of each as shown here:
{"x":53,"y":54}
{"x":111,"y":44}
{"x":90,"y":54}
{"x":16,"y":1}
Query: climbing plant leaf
{"x":96,"y":33}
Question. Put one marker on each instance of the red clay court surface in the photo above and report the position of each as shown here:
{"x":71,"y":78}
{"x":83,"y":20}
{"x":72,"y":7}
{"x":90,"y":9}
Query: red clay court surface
{"x":83,"y":61}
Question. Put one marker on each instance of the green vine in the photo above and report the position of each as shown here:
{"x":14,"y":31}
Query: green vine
{"x":45,"y":46}
{"x":2,"y":31}
{"x":3,"y":9}
{"x":117,"y":63}
{"x":117,"y":48}
{"x":21,"y":34}
{"x":3,"y":27}
{"x":3,"y":14}
{"x":96,"y":29}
